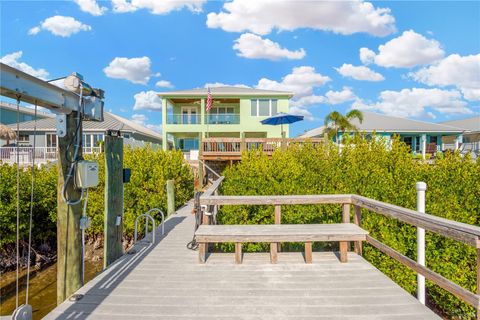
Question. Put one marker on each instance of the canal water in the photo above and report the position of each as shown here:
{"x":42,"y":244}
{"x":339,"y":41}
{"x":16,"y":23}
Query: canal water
{"x":43,"y":289}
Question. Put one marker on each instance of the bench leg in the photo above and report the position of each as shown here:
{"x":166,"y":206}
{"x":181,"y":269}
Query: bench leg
{"x":238,"y":252}
{"x":358,"y":248}
{"x":273,"y":252}
{"x":343,"y":251}
{"x":202,"y":252}
{"x":308,"y":252}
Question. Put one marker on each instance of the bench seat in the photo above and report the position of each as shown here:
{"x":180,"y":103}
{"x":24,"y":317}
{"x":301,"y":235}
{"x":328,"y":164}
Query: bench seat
{"x":276,"y":233}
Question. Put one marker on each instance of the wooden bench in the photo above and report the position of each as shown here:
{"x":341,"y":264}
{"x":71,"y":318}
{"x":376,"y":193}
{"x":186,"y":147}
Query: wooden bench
{"x":308,"y":233}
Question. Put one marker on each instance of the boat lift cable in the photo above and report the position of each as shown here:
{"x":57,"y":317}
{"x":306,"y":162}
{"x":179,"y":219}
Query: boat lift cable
{"x":17,"y":272}
{"x":32,"y":195}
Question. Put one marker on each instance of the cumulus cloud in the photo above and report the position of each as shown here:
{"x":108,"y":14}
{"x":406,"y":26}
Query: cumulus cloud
{"x":139,"y":118}
{"x":344,"y":17}
{"x":417,"y":102}
{"x":359,"y":73}
{"x":61,"y":26}
{"x":157,"y":6}
{"x":12,"y":60}
{"x":301,"y":81}
{"x":337,"y":97}
{"x":164,"y":84}
{"x":147,"y":100}
{"x":252,"y":46}
{"x":136,"y":70}
{"x":308,"y":101}
{"x":462,"y":72}
{"x":406,"y":51}
{"x":220,"y":84}
{"x":302,"y":112}
{"x":91,"y":6}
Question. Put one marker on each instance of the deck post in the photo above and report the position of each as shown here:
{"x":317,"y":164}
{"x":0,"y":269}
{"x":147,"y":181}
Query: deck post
{"x":357,"y":219}
{"x":273,"y":252}
{"x":478,"y":276}
{"x":421,"y":187}
{"x":170,"y":197}
{"x":200,"y":163}
{"x":345,"y":244}
{"x":243,"y":144}
{"x":308,"y":252}
{"x":69,"y":239}
{"x":113,"y":230}
{"x":238,"y":252}
{"x":278,"y":220}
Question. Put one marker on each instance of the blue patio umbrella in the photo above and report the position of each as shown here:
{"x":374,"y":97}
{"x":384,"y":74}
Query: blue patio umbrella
{"x":281,"y":119}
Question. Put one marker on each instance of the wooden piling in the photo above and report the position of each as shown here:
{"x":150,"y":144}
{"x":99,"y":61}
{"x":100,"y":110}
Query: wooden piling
{"x":113,"y":247}
{"x":69,"y":238}
{"x":170,"y":197}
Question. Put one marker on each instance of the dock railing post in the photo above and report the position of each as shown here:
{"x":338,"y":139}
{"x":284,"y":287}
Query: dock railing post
{"x":421,"y":187}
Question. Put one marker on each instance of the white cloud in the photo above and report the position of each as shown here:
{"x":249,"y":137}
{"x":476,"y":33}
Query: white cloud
{"x":12,"y":60}
{"x":254,"y":47}
{"x":344,"y":17}
{"x":417,"y":102}
{"x":359,"y":73}
{"x":60,"y":26}
{"x":308,"y":101}
{"x":139,"y":118}
{"x":136,"y":70}
{"x":147,"y":100}
{"x":455,"y":70}
{"x":91,"y":6}
{"x":301,"y":81}
{"x":164,"y":84}
{"x":408,"y":50}
{"x":302,"y":112}
{"x":220,"y":84}
{"x":337,"y":97}
{"x":157,"y":6}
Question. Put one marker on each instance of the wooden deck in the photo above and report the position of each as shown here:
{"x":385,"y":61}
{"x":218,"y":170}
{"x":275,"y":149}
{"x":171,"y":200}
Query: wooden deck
{"x":164,"y":281}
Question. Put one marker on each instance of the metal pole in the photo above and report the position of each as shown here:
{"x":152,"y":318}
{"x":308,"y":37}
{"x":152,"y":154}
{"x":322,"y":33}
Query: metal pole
{"x":421,"y":187}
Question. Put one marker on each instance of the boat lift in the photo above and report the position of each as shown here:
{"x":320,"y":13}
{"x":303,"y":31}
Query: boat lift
{"x":72,"y":100}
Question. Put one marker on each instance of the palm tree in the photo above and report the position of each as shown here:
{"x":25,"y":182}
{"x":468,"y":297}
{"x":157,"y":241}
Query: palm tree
{"x":336,"y":122}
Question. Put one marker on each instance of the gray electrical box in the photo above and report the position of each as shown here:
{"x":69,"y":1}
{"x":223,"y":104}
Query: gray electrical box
{"x":86,"y":174}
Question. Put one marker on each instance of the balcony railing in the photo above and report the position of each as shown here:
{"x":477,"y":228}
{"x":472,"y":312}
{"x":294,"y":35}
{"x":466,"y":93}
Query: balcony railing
{"x":226,"y":118}
{"x":178,"y":118}
{"x":26,"y":155}
{"x":232,"y":148}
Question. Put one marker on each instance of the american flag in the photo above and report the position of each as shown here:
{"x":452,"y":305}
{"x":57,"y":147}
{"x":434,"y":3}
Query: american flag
{"x":209,"y":101}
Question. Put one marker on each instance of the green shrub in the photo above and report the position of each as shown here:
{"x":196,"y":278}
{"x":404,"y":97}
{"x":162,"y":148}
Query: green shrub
{"x":375,"y":170}
{"x":150,"y":171}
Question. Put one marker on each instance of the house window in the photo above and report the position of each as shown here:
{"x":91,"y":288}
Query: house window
{"x":434,"y":139}
{"x":51,"y":142}
{"x":263,"y":107}
{"x":187,"y":144}
{"x":126,"y":135}
{"x":25,"y":138}
{"x":97,"y":138}
{"x":222,"y":115}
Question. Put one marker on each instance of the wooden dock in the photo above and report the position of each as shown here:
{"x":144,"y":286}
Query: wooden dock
{"x":165,"y":281}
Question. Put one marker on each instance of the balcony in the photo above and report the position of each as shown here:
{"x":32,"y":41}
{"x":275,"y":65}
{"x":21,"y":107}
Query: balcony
{"x":178,"y":118}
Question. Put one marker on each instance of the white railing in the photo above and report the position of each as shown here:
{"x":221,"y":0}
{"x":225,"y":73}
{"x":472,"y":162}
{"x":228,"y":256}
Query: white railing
{"x":26,"y":155}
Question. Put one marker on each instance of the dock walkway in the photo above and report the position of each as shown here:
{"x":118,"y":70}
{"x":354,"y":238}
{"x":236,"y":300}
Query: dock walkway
{"x":165,"y":281}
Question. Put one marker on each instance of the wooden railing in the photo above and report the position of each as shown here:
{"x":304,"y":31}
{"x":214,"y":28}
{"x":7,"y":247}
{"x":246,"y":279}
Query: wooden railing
{"x":232,"y":148}
{"x":462,"y":232}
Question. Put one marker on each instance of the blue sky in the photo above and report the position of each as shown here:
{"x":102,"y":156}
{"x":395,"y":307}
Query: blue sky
{"x":420,"y":59}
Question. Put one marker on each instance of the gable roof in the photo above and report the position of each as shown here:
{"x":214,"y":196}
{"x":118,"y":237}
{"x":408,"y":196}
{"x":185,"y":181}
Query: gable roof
{"x":472,"y":124}
{"x":226,"y":91}
{"x":382,"y":123}
{"x":111,"y":122}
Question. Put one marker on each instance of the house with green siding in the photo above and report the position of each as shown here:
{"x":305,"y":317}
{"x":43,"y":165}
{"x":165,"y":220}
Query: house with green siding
{"x":421,"y":136}
{"x":236,"y":112}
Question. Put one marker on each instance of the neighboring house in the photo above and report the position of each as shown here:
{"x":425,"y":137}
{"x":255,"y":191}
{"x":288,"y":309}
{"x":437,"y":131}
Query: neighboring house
{"x":236,"y":112}
{"x":419,"y":135}
{"x":8,"y":115}
{"x":93,"y":133}
{"x":471,"y":127}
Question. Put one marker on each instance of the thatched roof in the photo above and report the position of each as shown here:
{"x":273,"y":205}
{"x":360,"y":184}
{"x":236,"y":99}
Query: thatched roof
{"x":6,"y":133}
